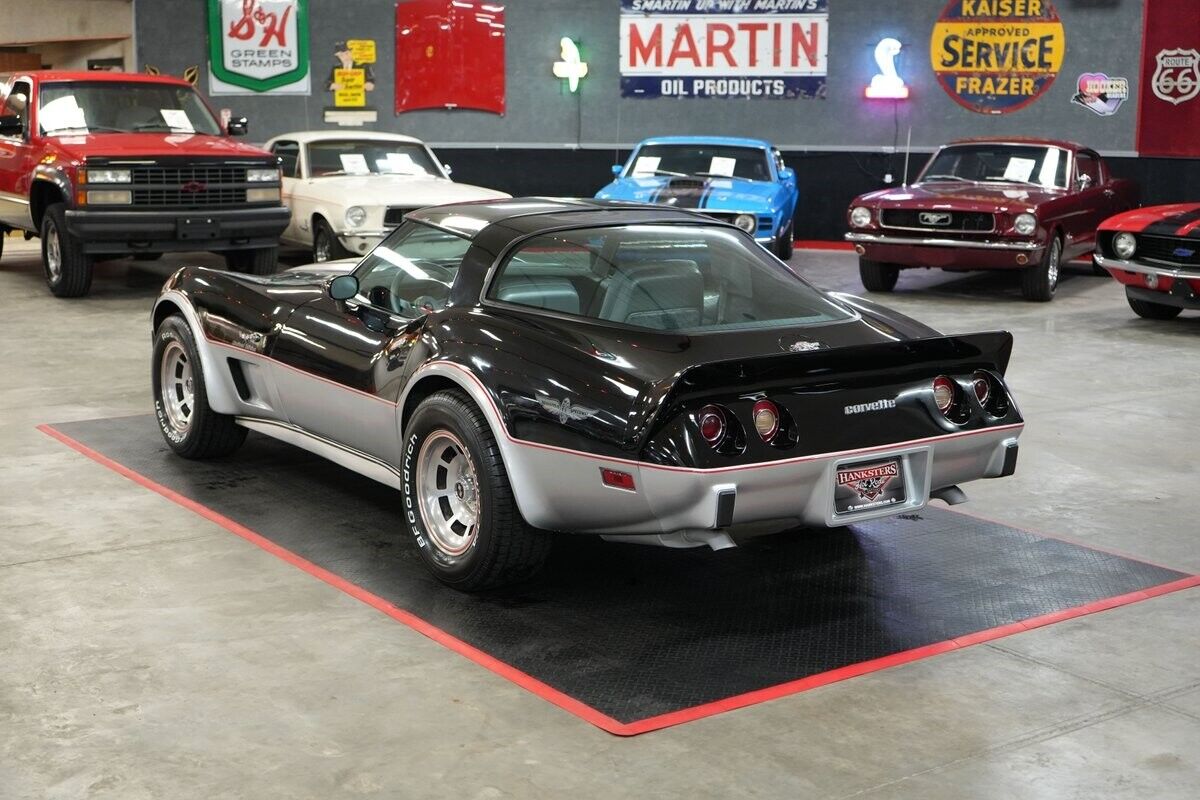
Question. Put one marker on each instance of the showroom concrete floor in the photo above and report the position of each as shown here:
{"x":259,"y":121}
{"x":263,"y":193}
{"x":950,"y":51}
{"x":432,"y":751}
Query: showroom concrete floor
{"x":149,"y":653}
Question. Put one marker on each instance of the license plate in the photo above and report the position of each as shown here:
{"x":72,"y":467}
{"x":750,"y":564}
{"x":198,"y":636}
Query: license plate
{"x":868,"y":486}
{"x":197,"y":228}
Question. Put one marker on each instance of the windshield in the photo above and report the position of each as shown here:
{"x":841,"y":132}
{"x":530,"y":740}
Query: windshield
{"x":118,"y":107}
{"x":683,"y":160}
{"x":369,"y":157}
{"x":999,"y":163}
{"x":691,"y":278}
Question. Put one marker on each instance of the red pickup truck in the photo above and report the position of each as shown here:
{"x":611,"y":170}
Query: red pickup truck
{"x":102,"y":164}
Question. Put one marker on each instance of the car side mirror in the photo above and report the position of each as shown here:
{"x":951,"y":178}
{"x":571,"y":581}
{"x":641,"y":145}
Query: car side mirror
{"x":1084,"y":181}
{"x":448,"y":170}
{"x":238,"y":126}
{"x":11,"y":125}
{"x":343,"y":287}
{"x":787,"y":174}
{"x":616,"y":170}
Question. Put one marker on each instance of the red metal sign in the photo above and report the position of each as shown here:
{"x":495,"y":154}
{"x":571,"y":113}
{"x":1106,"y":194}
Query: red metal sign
{"x":1169,"y":100}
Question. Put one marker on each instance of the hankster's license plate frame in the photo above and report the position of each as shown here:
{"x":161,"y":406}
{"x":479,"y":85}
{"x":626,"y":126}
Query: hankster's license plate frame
{"x":907,"y":490}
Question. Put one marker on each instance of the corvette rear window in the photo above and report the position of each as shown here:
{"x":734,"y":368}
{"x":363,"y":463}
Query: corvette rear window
{"x":688,"y":278}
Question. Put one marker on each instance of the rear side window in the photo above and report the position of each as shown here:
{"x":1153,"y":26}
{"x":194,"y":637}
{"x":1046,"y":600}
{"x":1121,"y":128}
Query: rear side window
{"x":662,"y":277}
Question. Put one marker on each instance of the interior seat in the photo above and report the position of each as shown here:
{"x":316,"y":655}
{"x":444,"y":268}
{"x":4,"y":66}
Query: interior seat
{"x":550,"y":293}
{"x":663,"y":295}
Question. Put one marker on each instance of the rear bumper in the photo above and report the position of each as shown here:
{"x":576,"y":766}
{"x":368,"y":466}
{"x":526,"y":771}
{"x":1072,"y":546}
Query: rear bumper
{"x":126,"y":231}
{"x":919,"y":251}
{"x":562,"y":490}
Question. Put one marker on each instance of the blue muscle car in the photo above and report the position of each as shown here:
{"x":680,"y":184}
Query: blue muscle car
{"x":742,"y":181}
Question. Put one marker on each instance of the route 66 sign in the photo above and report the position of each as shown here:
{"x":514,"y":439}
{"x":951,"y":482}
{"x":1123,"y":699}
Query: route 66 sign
{"x":1176,"y":75}
{"x":258,"y":46}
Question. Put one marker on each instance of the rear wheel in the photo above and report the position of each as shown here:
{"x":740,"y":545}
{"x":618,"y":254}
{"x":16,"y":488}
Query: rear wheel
{"x":326,"y":246}
{"x":259,"y":261}
{"x":192,"y":429}
{"x":877,"y":277}
{"x":68,"y":268}
{"x":785,"y":245}
{"x":458,"y":501}
{"x":1039,"y":281}
{"x":1148,"y":310}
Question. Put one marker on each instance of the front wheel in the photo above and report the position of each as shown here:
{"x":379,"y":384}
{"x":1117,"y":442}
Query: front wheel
{"x":1147,"y":310}
{"x":192,"y":429}
{"x":68,"y":268}
{"x":326,"y":246}
{"x":877,"y":277}
{"x":785,"y":245}
{"x":458,"y":502}
{"x":259,"y":261}
{"x":1039,"y":281}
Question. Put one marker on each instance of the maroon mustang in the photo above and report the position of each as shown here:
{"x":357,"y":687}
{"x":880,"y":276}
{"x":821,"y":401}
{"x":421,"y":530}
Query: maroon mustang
{"x":1020,"y":204}
{"x":1155,"y":252}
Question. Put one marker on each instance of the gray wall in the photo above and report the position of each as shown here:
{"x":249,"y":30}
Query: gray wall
{"x":1102,"y":35}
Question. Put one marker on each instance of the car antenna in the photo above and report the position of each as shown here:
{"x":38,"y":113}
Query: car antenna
{"x":907,"y":151}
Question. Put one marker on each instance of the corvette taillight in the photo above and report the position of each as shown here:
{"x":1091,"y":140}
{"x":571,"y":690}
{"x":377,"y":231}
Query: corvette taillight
{"x":713,"y":426}
{"x":982,"y":384}
{"x":766,"y":420}
{"x":945,"y":392}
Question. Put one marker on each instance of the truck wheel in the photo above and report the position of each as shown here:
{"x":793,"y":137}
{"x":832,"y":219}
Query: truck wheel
{"x":877,"y":277}
{"x":260,"y":261}
{"x":191,"y":428}
{"x":1038,"y":281}
{"x":68,"y":268}
{"x":1147,"y":310}
{"x":785,"y":245}
{"x":326,"y":246}
{"x":458,"y":502}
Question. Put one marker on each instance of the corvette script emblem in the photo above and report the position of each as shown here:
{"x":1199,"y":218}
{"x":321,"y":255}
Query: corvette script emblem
{"x":564,"y":411}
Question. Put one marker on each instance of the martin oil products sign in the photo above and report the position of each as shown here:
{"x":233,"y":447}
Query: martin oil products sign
{"x":724,"y":48}
{"x":996,"y":56}
{"x":258,"y":46}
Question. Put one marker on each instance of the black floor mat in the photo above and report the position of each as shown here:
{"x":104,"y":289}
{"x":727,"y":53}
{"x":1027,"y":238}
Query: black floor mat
{"x":637,"y":632}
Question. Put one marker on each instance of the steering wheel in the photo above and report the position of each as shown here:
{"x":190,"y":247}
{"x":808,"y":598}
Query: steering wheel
{"x":436,"y":285}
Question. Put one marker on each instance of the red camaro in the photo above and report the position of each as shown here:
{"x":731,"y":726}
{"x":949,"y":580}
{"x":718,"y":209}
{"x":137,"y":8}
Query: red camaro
{"x":1020,"y":204}
{"x":1155,"y":252}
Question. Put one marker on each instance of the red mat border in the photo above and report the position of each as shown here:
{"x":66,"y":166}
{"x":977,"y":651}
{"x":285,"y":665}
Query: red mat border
{"x":570,"y":704}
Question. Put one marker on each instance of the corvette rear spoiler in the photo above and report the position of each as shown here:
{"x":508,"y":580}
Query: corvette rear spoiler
{"x":843,"y":368}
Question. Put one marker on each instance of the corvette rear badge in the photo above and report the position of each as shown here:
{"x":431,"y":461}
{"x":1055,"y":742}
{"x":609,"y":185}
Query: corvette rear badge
{"x":564,"y":411}
{"x":798,"y":345}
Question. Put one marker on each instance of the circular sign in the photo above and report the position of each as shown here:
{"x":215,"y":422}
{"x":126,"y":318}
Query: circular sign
{"x":996,"y":56}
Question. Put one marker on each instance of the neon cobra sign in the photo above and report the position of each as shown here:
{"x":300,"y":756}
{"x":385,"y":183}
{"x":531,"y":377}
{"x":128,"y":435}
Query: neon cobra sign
{"x":572,"y":67}
{"x":887,"y":85}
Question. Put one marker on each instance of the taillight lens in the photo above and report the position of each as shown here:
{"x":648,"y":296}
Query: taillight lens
{"x":944,"y":391}
{"x":983,"y":388}
{"x":711,"y":420}
{"x":766,"y":420}
{"x":617,"y":479}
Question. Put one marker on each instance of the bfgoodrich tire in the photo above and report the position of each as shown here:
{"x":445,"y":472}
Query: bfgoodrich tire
{"x":458,"y":502}
{"x":877,"y":277}
{"x":1039,"y":281}
{"x":68,"y":268}
{"x":259,"y":261}
{"x":1148,"y":310}
{"x":191,"y":428}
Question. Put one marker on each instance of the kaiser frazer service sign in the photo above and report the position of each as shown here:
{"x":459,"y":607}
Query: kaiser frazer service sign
{"x":258,"y":46}
{"x":996,"y":56}
{"x":724,"y":48}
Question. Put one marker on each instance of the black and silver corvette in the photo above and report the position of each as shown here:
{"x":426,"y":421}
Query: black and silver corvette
{"x":528,"y":366}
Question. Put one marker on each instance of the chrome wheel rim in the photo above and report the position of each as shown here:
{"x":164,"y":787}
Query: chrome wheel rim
{"x":1052,"y":267}
{"x":322,"y":251}
{"x":448,"y":492}
{"x":53,"y":253}
{"x":176,"y":387}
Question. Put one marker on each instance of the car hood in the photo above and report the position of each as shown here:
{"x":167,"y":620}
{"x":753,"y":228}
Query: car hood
{"x":152,"y":145}
{"x":408,"y":190}
{"x":715,"y":194}
{"x":1185,"y":215}
{"x":962,"y":196}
